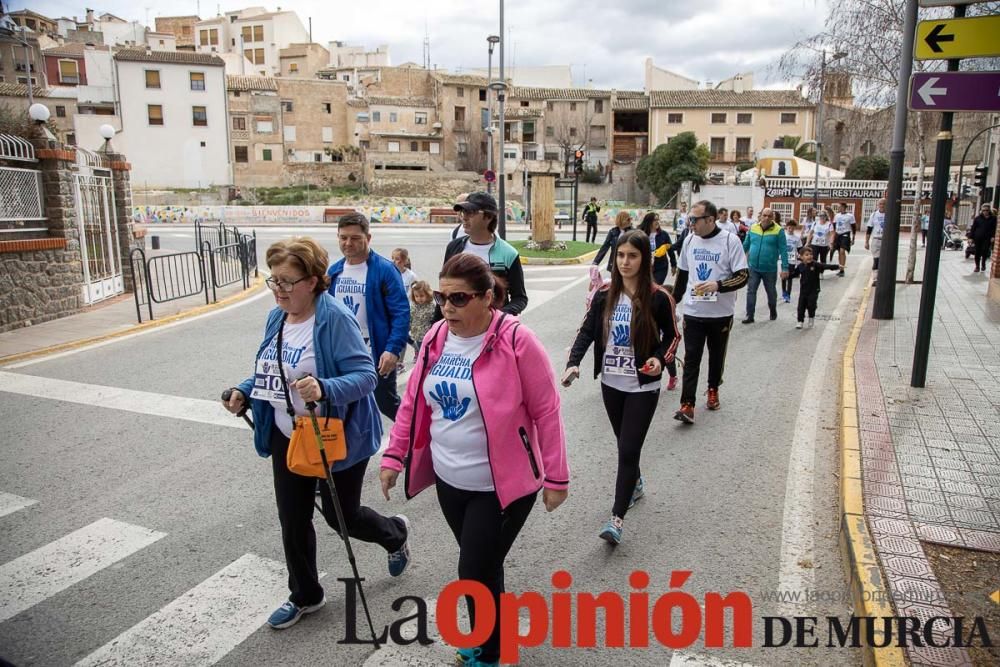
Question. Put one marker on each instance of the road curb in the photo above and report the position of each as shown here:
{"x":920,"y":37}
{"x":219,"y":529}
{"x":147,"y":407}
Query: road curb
{"x":258,"y":284}
{"x":864,"y":574}
{"x":564,"y":261}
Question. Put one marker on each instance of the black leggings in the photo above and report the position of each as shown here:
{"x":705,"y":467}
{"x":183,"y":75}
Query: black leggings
{"x":699,"y":332}
{"x":808,"y":302}
{"x":485,"y":533}
{"x":295,"y":495}
{"x":820,"y":252}
{"x":631,"y":414}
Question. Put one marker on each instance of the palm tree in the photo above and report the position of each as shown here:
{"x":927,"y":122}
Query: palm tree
{"x":806,"y":151}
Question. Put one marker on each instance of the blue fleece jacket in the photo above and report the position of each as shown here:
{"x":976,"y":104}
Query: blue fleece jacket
{"x":344,"y":368}
{"x":385,"y":302}
{"x":765,"y":249}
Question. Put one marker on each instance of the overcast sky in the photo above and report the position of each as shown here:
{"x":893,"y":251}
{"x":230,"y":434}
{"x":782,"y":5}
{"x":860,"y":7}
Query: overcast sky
{"x":605,"y":41}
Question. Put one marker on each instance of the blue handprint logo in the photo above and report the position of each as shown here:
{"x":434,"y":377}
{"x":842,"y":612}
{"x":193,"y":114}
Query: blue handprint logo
{"x":702,"y":271}
{"x":352,"y":304}
{"x":447,"y":398}
{"x":620,"y":335}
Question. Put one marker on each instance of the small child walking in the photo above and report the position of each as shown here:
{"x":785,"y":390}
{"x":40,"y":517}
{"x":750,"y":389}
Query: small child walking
{"x":421,"y":312}
{"x":401,"y":258}
{"x":793,"y":238}
{"x":809,"y":273}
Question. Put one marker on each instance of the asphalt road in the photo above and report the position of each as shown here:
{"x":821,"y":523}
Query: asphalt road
{"x":137,"y":524}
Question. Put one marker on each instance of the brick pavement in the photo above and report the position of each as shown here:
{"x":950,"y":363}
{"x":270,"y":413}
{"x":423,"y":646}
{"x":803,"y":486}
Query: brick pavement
{"x":931,"y":456}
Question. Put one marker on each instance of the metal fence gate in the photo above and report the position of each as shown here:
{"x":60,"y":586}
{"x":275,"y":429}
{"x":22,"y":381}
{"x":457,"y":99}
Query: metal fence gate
{"x":98,"y":224}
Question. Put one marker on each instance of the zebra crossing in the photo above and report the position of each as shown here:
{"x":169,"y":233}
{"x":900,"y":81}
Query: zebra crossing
{"x":199,"y":627}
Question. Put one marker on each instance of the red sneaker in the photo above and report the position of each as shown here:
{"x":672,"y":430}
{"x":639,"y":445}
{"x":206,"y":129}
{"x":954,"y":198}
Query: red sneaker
{"x":685,"y":414}
{"x":672,"y":383}
{"x":713,"y":399}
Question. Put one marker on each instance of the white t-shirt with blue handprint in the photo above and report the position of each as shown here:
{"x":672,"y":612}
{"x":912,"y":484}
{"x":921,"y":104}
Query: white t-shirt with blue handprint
{"x":618,"y":370}
{"x":710,"y":259}
{"x":351,"y":291}
{"x":298,"y":360}
{"x":458,"y":432}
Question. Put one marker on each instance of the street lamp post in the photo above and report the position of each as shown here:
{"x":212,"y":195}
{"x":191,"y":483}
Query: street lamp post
{"x":492,"y":41}
{"x":501,"y":93}
{"x":819,"y":119}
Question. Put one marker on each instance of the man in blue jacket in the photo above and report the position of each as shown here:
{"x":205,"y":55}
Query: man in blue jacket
{"x":765,"y":247}
{"x":371,"y":287}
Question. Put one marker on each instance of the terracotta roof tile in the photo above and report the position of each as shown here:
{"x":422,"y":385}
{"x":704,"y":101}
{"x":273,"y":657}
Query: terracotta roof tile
{"x":243,"y":82}
{"x":460,"y":79}
{"x":21,"y":90}
{"x":73,"y":49}
{"x":390,"y":101}
{"x":169,"y":57}
{"x":718,"y":99}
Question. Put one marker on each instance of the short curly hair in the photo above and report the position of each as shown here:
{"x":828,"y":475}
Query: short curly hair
{"x":305,"y":254}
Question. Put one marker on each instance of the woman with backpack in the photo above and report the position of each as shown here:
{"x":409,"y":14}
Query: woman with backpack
{"x":480,"y":422}
{"x":632,"y":325}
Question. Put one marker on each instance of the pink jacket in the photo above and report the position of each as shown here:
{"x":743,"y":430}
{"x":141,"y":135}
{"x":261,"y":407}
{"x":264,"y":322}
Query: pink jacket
{"x":519,"y":401}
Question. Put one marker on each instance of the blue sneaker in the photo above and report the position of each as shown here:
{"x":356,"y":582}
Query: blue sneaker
{"x":638,"y":492}
{"x":469,"y":657}
{"x":289,"y":614}
{"x":612,"y":532}
{"x":399,"y":559}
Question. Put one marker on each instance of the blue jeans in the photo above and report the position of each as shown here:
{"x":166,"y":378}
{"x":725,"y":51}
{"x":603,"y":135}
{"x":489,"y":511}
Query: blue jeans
{"x":756,"y":278}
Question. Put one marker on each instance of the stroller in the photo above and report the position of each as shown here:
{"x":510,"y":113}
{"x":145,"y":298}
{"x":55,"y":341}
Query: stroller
{"x":954,"y":239}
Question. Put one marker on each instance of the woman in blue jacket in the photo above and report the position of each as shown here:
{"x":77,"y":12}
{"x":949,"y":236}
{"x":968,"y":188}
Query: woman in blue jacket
{"x":325,"y":360}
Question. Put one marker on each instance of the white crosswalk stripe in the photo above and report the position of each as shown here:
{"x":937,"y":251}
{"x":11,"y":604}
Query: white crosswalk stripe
{"x":9,"y":503}
{"x":203,"y":625}
{"x":30,"y":579}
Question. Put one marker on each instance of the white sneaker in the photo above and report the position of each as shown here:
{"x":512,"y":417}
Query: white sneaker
{"x":812,"y":322}
{"x":798,"y":325}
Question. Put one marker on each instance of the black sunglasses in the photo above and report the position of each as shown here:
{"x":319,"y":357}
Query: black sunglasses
{"x":457,"y":299}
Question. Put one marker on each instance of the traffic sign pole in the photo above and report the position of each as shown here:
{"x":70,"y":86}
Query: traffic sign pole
{"x":932,"y":258}
{"x":884,"y":304}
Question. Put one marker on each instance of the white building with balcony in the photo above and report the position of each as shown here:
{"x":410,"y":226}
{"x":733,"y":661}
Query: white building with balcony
{"x":173,"y":118}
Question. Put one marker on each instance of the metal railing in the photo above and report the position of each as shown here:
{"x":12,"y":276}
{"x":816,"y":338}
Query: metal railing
{"x":21,"y":194}
{"x":172,"y":276}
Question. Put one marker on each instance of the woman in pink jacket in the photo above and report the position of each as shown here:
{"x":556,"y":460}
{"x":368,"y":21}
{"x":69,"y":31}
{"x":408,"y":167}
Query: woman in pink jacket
{"x":481,"y":422}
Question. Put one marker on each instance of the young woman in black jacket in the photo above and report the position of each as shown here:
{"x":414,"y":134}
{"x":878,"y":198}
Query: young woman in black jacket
{"x":632,"y":326}
{"x":664,"y":259}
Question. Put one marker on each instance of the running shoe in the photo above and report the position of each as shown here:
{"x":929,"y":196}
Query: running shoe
{"x":672,"y":383}
{"x":747,"y":320}
{"x":400,"y":558}
{"x":638,"y":492}
{"x":612,"y":531}
{"x":685,"y":414}
{"x":812,"y":322}
{"x":713,"y":399}
{"x":840,"y":274}
{"x":289,"y":614}
{"x":798,"y":325}
{"x":465,"y":656}
{"x":774,"y":314}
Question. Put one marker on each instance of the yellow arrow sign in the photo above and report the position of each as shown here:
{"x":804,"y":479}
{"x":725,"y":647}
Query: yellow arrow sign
{"x":958,"y":38}
{"x":995,"y":596}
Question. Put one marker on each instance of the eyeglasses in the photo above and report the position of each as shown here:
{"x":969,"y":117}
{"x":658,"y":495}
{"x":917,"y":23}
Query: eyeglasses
{"x":695,"y":218}
{"x":283,"y":285}
{"x":457,"y":299}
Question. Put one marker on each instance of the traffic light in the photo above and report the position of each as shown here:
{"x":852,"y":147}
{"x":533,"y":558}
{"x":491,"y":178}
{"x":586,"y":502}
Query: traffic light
{"x":578,"y":162}
{"x":980,"y":179}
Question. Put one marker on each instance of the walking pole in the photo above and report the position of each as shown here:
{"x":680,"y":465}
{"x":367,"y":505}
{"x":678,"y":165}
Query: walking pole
{"x":242,"y":413}
{"x":311,"y":406}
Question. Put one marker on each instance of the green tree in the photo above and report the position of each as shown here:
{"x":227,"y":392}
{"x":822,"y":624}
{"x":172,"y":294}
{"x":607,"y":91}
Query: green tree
{"x":681,"y":159}
{"x":868,"y":168}
{"x":805,"y":151}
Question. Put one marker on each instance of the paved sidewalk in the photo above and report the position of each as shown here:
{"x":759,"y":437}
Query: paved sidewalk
{"x":931,"y":457}
{"x":115,"y":317}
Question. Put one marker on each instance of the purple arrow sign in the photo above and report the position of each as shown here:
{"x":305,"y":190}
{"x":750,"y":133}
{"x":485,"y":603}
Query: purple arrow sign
{"x":955,"y":91}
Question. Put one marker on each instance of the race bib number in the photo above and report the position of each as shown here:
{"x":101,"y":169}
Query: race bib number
{"x":708,"y":297}
{"x":267,"y":385}
{"x":619,"y":360}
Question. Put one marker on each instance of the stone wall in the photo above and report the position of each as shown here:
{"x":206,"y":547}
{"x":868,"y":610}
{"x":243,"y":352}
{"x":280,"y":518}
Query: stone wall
{"x":38,"y":285}
{"x":444,"y":185}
